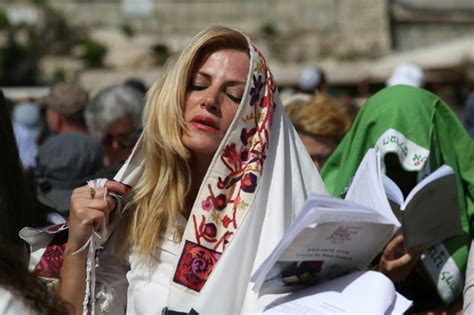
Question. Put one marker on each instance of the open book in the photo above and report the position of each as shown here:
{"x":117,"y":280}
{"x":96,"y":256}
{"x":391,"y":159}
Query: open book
{"x":430,"y":213}
{"x":331,"y":237}
{"x":360,"y":292}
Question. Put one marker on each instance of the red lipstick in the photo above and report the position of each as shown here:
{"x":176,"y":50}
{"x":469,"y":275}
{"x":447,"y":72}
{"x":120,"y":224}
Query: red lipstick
{"x":204,"y":123}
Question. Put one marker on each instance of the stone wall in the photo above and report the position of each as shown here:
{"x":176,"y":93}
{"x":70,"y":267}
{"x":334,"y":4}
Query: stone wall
{"x":303,"y":29}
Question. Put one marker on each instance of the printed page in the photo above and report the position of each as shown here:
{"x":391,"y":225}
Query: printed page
{"x":359,"y":292}
{"x":325,"y":252}
{"x":367,"y":187}
{"x":329,"y":237}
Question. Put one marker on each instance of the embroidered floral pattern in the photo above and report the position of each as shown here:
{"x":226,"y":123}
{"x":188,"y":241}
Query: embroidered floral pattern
{"x":195,"y":266}
{"x":51,"y":262}
{"x":234,"y":181}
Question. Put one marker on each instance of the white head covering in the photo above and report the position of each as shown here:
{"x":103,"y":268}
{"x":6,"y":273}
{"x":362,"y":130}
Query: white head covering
{"x":407,"y":74}
{"x":258,"y":179}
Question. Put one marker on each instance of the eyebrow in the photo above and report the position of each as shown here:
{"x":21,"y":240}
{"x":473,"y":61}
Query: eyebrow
{"x":229,"y":83}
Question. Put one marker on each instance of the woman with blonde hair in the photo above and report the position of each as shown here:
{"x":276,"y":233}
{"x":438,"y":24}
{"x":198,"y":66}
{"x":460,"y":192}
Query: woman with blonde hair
{"x":320,"y":124}
{"x":216,"y":178}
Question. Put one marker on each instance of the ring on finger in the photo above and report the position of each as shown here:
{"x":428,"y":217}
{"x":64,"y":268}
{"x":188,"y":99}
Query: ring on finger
{"x":92,"y":192}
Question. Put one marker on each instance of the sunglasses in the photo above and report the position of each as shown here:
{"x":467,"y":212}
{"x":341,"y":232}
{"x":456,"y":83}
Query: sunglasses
{"x":125,"y":141}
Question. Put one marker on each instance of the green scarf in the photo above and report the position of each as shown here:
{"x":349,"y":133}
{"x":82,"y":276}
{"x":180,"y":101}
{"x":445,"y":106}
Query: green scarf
{"x":425,"y":134}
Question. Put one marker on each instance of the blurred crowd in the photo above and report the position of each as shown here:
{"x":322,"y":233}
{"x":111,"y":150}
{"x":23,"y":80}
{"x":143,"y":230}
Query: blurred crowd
{"x":67,"y":138}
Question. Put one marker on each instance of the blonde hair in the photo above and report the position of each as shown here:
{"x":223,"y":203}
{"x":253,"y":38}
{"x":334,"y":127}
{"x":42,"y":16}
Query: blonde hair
{"x":318,"y":117}
{"x":160,"y":193}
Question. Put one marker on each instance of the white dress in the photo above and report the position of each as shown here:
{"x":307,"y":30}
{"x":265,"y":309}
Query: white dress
{"x":147,"y":283}
{"x":130,"y":286}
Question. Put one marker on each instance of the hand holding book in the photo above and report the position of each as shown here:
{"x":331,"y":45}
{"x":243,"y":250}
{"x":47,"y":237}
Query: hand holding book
{"x":395,"y":262}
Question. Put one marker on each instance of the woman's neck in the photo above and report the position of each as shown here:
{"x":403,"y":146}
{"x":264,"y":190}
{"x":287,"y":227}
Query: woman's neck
{"x":199,"y":166}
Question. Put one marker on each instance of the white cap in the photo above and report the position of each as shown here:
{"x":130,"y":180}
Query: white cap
{"x":408,"y":74}
{"x":310,"y":79}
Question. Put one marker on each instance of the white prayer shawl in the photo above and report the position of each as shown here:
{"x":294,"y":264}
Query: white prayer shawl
{"x":258,"y":179}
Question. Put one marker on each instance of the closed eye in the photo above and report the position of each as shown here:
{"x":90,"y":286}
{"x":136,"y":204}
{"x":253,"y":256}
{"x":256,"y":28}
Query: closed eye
{"x":196,"y":87}
{"x":235,"y":99}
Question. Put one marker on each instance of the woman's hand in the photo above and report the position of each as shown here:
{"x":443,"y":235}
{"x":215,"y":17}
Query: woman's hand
{"x":395,"y":263}
{"x":88,"y":211}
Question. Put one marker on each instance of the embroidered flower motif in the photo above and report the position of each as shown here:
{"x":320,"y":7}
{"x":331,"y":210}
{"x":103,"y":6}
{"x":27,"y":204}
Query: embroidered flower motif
{"x":206,"y":205}
{"x":244,"y":154}
{"x":220,"y":202}
{"x":259,"y":67}
{"x":210,"y":230}
{"x":245,"y":135}
{"x":249,"y":182}
{"x":215,"y":216}
{"x":226,"y":221}
{"x":195,"y":266}
{"x":256,"y":89}
{"x":51,"y":261}
{"x":230,"y":153}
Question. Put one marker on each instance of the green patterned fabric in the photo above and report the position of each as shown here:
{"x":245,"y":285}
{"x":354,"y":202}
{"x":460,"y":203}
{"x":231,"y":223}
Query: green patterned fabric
{"x":425,"y":134}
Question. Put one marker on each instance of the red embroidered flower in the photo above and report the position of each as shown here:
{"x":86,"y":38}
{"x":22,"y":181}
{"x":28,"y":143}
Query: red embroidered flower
{"x":206,"y":205}
{"x":249,"y":182}
{"x":230,"y":153}
{"x":195,"y":265}
{"x":226,"y":221}
{"x":51,"y":261}
{"x":210,"y":231}
{"x":245,"y":135}
{"x":220,"y":202}
{"x":244,"y":154}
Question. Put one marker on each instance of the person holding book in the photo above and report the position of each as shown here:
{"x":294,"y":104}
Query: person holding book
{"x":415,"y":133}
{"x":215,"y":180}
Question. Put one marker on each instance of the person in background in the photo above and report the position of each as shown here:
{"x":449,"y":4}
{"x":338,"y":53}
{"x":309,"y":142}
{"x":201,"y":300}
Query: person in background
{"x":70,"y":156}
{"x":27,"y":128}
{"x":313,"y":80}
{"x":65,"y":107}
{"x":114,"y":117}
{"x":415,"y":133}
{"x":319,"y":124}
{"x":64,"y":163}
{"x":210,"y":188}
{"x":407,"y":74}
{"x":137,"y":84}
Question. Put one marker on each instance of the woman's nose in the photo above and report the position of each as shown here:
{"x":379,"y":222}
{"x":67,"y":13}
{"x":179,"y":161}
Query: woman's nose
{"x":211,"y":101}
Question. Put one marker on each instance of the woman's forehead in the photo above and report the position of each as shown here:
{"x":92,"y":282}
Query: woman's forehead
{"x":231,"y":62}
